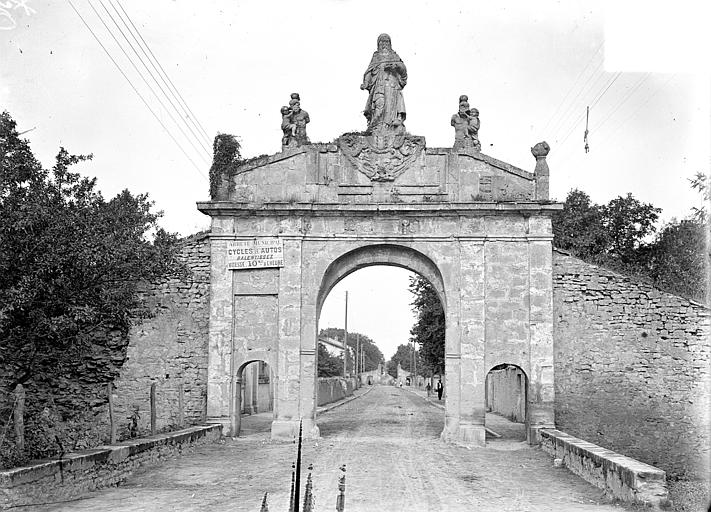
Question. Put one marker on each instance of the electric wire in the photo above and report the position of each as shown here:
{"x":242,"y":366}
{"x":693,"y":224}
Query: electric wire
{"x":573,"y":87}
{"x":206,"y":156}
{"x":184,"y":116}
{"x":136,"y":90}
{"x":595,"y":102}
{"x":589,"y":85}
{"x":194,"y":118}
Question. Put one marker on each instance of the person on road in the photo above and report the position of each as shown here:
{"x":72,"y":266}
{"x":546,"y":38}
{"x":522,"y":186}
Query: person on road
{"x":440,"y":389}
{"x":428,"y":388}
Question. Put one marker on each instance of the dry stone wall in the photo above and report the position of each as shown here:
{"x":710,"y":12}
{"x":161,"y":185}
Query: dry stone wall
{"x":631,"y":367}
{"x":170,"y":349}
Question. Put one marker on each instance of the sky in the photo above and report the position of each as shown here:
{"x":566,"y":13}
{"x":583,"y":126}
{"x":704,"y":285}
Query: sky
{"x":531,"y":69}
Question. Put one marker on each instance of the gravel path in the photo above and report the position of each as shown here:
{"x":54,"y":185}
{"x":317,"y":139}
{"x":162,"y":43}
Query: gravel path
{"x":389,"y":440}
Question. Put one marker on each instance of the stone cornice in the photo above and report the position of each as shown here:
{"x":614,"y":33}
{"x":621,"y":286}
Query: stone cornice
{"x":229,"y":208}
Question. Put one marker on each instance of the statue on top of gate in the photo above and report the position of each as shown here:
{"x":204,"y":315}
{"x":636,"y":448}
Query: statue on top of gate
{"x":385,"y":150}
{"x":384,"y":80}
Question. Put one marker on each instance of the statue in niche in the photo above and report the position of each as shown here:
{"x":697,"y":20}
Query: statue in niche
{"x":293,"y":123}
{"x":384,"y":79}
{"x":466,"y":126}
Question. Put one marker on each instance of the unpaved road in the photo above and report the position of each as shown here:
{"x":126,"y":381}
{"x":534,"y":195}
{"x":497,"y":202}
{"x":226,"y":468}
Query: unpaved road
{"x":389,"y":440}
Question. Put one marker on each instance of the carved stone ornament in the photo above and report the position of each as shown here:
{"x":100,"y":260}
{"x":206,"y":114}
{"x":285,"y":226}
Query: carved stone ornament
{"x":381,"y":160}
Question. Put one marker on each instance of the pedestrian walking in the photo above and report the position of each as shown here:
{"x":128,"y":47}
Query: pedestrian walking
{"x":428,"y":388}
{"x":440,"y":389}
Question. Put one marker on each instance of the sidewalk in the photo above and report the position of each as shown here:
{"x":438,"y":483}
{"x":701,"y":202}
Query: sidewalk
{"x":498,"y":428}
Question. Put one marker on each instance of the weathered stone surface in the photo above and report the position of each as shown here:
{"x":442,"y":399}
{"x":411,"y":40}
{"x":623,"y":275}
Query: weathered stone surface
{"x":88,"y":470}
{"x":632,"y":367}
{"x":487,"y":265}
{"x":619,"y":476}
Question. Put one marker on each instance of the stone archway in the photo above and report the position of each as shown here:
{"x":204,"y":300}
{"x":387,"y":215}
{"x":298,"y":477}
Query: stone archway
{"x":507,"y":395}
{"x":286,"y":227}
{"x":397,"y":255}
{"x":248,"y":392}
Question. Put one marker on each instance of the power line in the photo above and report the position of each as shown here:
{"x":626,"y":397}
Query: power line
{"x":205,"y":141}
{"x":136,"y":90}
{"x":625,"y":99}
{"x":194,"y":118}
{"x":570,"y":110}
{"x":572,"y":87}
{"x":599,"y":97}
{"x":187,"y":137}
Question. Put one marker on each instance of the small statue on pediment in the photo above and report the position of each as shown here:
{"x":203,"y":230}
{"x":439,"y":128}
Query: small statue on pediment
{"x":466,"y":125}
{"x":293,"y":123}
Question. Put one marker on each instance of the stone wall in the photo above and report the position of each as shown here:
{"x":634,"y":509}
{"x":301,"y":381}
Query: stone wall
{"x":620,"y":477}
{"x":506,"y":393}
{"x":170,"y":349}
{"x":631,"y":367}
{"x":331,"y":389}
{"x":48,"y":481}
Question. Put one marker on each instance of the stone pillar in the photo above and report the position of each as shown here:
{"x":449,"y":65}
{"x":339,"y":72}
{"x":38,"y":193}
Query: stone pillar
{"x":291,"y":385}
{"x":472,"y":407}
{"x":255,"y":387}
{"x":541,"y":392}
{"x":542,"y":173}
{"x":219,"y":367}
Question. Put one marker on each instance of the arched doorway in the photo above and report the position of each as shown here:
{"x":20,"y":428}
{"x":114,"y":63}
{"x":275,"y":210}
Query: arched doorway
{"x":254,"y":393}
{"x":389,"y":255}
{"x":506,"y":399}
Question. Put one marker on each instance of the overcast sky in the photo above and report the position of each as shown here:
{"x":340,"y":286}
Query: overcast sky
{"x":531,"y":68}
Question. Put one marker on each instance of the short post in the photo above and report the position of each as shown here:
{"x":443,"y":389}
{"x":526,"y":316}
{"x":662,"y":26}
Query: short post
{"x":112,"y":420}
{"x":19,"y":417}
{"x":341,"y":498}
{"x":153,"y":408}
{"x":181,"y":400}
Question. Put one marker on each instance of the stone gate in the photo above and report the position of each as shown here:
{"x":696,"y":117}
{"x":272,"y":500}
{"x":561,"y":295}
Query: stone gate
{"x":287,"y":227}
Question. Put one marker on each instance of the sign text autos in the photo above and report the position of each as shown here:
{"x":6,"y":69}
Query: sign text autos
{"x":257,"y":253}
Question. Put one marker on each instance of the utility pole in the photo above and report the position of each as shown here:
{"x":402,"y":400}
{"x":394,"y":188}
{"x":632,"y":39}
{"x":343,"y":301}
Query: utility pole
{"x":345,"y":342}
{"x":357,"y":358}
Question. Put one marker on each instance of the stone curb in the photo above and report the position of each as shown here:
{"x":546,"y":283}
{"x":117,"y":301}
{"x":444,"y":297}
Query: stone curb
{"x":622,"y":477}
{"x":331,"y":406}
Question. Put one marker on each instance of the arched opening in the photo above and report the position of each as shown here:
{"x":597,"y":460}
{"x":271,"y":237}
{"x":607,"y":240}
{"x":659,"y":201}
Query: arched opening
{"x":506,"y":400}
{"x":403,"y":355}
{"x":254,"y":400}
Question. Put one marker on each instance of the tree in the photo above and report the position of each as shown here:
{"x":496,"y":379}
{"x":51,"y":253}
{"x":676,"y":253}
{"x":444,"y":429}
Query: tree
{"x":404,"y":357}
{"x":71,"y":269}
{"x":373,"y":355}
{"x":579,"y":226}
{"x":612,"y":234}
{"x":627,"y":223}
{"x":328,"y":365}
{"x":429,"y":328}
{"x":679,"y":259}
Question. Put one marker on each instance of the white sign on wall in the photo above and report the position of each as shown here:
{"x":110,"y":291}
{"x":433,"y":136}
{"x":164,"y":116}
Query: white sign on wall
{"x":256,"y":253}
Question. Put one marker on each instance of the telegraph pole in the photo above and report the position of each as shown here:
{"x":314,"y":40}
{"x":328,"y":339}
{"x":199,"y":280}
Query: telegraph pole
{"x":345,"y":342}
{"x":357,"y":358}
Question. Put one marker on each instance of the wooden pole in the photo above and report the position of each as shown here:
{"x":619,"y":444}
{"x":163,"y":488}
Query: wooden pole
{"x":19,"y":417}
{"x":153,"y":408}
{"x":345,"y":342}
{"x":181,"y":402}
{"x":112,"y":420}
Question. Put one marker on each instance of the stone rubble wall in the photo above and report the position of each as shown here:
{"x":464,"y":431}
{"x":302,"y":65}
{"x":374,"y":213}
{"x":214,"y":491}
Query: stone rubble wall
{"x":332,"y":389}
{"x":632,"y":367}
{"x":81,"y":472}
{"x":170,"y":349}
{"x":506,"y":393}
